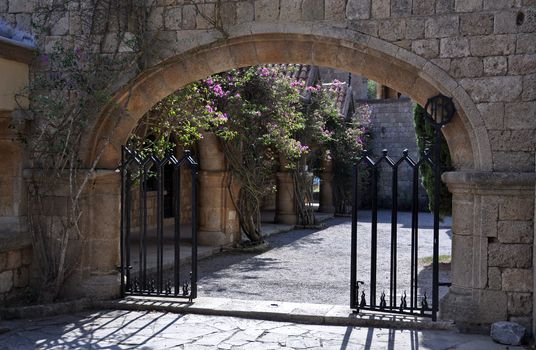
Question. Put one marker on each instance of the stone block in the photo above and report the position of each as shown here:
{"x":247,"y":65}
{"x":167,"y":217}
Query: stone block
{"x":27,"y":256}
{"x":6,"y":281}
{"x":16,"y":6}
{"x":424,"y":7}
{"x":525,"y":43}
{"x":510,"y":255}
{"x":499,"y":4}
{"x":188,"y":18}
{"x":155,"y":19}
{"x":494,"y":278}
{"x":493,"y":115}
{"x":266,"y":10}
{"x":517,"y":280}
{"x":476,"y":24}
{"x":61,"y":25}
{"x":24,"y":22}
{"x":529,"y":87}
{"x":392,"y":30}
{"x":493,"y":89}
{"x":335,"y":10}
{"x":517,"y":208}
{"x":467,"y":5}
{"x":367,"y":27}
{"x":245,"y":12}
{"x":441,"y":26}
{"x":400,"y":8}
{"x":444,"y":6}
{"x":520,"y":115}
{"x":505,"y":22}
{"x":443,"y":63}
{"x":522,"y":64}
{"x":515,"y":231}
{"x":21,"y":277}
{"x":519,"y":304}
{"x":492,"y":45}
{"x":290,"y":10}
{"x":513,"y":161}
{"x":454,"y":47}
{"x":205,"y":16}
{"x":228,"y":13}
{"x":14,"y":259}
{"x":512,"y":140}
{"x":495,"y":65}
{"x":358,"y":9}
{"x":173,"y":18}
{"x":3,"y":5}
{"x":381,"y":8}
{"x":414,"y":28}
{"x":466,"y":67}
{"x":313,"y":10}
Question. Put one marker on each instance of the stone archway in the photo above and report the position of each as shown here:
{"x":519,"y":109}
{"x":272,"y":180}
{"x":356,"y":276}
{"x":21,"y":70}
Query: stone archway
{"x":360,"y":54}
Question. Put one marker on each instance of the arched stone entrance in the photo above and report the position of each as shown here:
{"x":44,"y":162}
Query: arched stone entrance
{"x":481,"y":198}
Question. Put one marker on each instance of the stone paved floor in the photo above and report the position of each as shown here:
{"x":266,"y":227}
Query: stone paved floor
{"x":158,"y":330}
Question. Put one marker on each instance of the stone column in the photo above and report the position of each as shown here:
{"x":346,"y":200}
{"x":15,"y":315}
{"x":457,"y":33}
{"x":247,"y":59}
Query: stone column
{"x":326,"y":186}
{"x":492,"y":248}
{"x":218,"y":219}
{"x":285,"y":211}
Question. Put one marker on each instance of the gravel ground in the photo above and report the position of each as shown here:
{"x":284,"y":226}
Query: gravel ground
{"x":314,"y":266}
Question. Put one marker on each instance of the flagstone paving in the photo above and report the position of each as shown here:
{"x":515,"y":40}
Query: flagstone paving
{"x":107,"y":329}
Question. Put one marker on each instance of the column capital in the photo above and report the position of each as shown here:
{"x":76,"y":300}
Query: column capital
{"x":489,"y":182}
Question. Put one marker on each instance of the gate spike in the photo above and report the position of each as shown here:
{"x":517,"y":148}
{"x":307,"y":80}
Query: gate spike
{"x":383,"y":303}
{"x":363,"y":301}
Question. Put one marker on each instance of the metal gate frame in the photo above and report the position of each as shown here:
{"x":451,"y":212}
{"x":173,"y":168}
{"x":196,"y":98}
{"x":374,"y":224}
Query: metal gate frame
{"x":439,"y":111}
{"x":136,"y":167}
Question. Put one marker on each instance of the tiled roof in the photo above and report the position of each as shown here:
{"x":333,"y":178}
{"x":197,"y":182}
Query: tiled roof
{"x":21,"y":37}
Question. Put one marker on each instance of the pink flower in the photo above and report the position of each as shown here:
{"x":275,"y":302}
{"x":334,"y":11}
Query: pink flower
{"x":210,"y":81}
{"x":264,"y":72}
{"x":209,"y":108}
{"x":218,"y":90}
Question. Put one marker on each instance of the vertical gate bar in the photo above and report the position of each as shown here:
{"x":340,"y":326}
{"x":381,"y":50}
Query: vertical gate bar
{"x":140,"y":231}
{"x":177,"y":209}
{"x":128,"y":213}
{"x":414,"y":213}
{"x":122,"y":242}
{"x":193,"y":293}
{"x":437,"y":189}
{"x":353,"y":244}
{"x":374,"y":238}
{"x":394,"y":221}
{"x":159,"y":227}
{"x":416,"y":234}
{"x":144,"y":236}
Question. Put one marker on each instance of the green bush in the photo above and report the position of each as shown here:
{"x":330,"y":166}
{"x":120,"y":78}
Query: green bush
{"x":425,"y":137}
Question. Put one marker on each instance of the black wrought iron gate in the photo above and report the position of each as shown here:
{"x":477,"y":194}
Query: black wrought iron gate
{"x":151,"y":258}
{"x":439,"y":111}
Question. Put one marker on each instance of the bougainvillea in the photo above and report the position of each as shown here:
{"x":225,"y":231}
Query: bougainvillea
{"x":261,"y":117}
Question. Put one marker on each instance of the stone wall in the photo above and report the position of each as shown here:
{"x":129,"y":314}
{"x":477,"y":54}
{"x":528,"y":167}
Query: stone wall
{"x":14,"y":274}
{"x":393,"y":129}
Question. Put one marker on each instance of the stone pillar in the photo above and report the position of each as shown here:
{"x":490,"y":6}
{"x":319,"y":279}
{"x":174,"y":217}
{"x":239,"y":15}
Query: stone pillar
{"x":285,"y":211}
{"x":492,"y":248}
{"x":326,"y":187}
{"x":218,"y":218}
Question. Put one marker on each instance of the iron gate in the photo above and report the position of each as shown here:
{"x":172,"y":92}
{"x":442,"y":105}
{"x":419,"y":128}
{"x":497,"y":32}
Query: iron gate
{"x":439,"y":111}
{"x":151,"y":254}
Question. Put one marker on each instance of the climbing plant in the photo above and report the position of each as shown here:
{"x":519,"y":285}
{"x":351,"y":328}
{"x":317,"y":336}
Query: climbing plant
{"x":72,"y":80}
{"x":425,"y":140}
